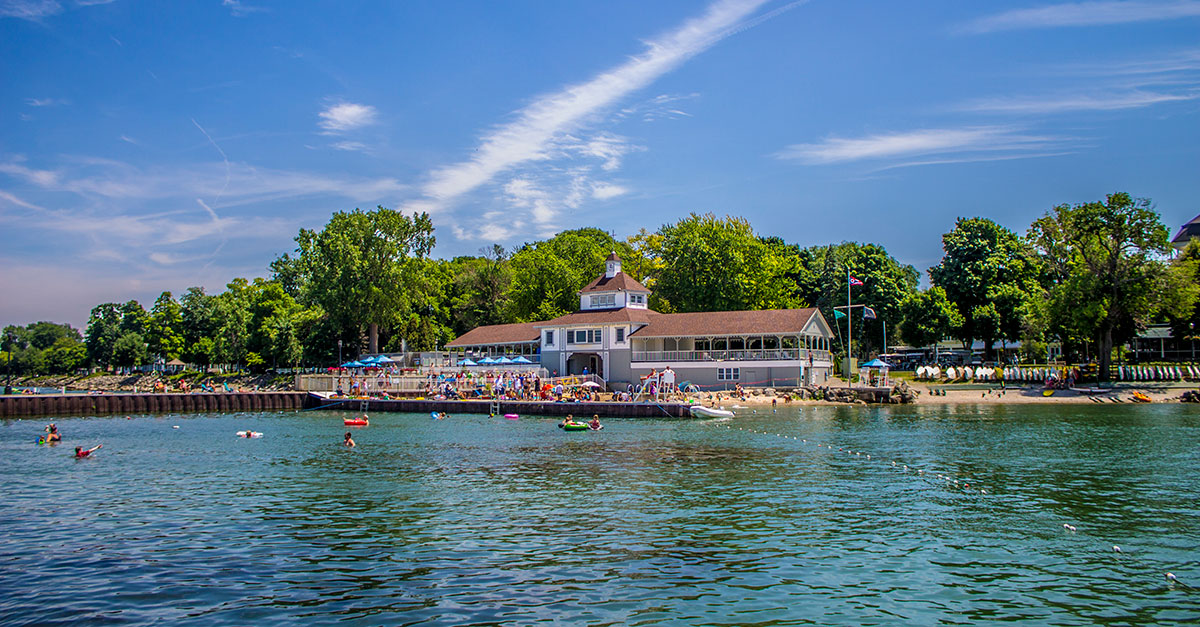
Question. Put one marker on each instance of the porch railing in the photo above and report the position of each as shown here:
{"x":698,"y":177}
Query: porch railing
{"x":771,"y":354}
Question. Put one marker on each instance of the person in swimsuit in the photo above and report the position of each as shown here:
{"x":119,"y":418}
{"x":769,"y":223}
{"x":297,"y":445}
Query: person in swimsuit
{"x":80,"y":453}
{"x":595,"y":423}
{"x":348,"y":441}
{"x":52,"y":434}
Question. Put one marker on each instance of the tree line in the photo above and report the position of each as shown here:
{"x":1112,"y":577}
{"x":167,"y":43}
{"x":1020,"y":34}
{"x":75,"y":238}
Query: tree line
{"x":1094,"y":273}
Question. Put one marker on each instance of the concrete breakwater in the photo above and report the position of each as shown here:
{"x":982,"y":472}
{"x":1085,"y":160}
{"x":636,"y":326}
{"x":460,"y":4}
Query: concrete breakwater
{"x":582,"y":410}
{"x":77,"y":404}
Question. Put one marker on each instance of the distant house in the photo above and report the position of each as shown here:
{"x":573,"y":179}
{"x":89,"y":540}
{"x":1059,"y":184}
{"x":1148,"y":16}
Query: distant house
{"x":616,"y":336}
{"x":1186,"y":233}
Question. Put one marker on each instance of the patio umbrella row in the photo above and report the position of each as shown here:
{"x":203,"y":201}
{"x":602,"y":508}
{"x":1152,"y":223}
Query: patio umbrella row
{"x":369,"y":362}
{"x":490,"y":361}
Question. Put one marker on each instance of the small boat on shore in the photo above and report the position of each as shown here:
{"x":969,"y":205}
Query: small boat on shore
{"x":1091,"y":391}
{"x":1140,"y":397}
{"x":709,"y":412}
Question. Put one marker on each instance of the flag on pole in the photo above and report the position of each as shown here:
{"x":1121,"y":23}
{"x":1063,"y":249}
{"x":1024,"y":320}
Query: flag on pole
{"x":868,"y":313}
{"x":854,"y":281}
{"x":837,"y":315}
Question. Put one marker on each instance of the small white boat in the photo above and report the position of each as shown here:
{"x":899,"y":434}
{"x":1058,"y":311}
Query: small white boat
{"x":710,"y":412}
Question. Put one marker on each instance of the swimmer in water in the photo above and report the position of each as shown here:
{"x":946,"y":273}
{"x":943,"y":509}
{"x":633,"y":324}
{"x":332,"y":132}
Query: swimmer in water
{"x":595,"y":423}
{"x":249,"y":434}
{"x":348,"y":441}
{"x":80,"y":453}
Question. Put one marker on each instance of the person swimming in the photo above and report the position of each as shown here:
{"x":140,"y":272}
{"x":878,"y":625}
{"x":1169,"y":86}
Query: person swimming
{"x":348,"y":441}
{"x":595,"y":423}
{"x":80,"y":453}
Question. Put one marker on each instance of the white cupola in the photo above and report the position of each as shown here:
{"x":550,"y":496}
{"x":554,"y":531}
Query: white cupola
{"x":612,"y":266}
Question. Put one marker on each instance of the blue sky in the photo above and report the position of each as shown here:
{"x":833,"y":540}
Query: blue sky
{"x":149,"y":146}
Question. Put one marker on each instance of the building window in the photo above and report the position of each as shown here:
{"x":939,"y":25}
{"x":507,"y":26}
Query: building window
{"x":584,"y":336}
{"x":637,"y":299}
{"x":549,"y":338}
{"x":603,"y":300}
{"x":729,"y":374}
{"x":620,"y":335}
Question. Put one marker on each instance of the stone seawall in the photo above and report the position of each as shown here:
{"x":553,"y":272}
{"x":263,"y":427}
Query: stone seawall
{"x":89,"y":404}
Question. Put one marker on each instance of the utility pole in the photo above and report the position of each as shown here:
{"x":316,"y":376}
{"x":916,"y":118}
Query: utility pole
{"x":339,"y":352}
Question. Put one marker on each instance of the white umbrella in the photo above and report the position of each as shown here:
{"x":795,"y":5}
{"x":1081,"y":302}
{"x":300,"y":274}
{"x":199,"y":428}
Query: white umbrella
{"x":591,"y":384}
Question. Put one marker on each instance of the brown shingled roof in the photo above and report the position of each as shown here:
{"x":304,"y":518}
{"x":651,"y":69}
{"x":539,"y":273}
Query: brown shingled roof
{"x":765,"y":322}
{"x":498,"y":334}
{"x":621,"y":282}
{"x":603,"y":316}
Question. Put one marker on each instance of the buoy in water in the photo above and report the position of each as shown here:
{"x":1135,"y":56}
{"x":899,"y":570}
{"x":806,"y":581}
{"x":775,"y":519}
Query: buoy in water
{"x":1116,"y":549}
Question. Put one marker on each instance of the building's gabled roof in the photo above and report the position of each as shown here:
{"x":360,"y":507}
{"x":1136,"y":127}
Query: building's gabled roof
{"x":766,"y":322}
{"x":1189,"y":230}
{"x":613,"y":256}
{"x":603,"y":316}
{"x":498,"y":334}
{"x":620,"y":283}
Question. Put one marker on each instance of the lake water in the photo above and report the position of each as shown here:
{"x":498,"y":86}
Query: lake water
{"x":477,"y":521}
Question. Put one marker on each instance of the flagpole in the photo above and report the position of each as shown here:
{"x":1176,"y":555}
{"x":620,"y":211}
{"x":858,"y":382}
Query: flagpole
{"x":849,"y":330}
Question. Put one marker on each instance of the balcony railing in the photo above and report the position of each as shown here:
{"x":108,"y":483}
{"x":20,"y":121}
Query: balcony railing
{"x":771,"y":354}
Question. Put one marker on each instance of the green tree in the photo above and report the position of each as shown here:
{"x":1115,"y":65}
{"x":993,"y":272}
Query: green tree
{"x":714,"y":264}
{"x":134,"y":318}
{"x":199,"y":326}
{"x":887,"y":284}
{"x":164,"y":328}
{"x":1105,"y":268}
{"x":1185,"y":281}
{"x":67,"y":355}
{"x":929,"y":316}
{"x":477,"y":289}
{"x":104,"y":327}
{"x":43,"y":335}
{"x":358,"y":268}
{"x":232,"y":314}
{"x":547,"y":275}
{"x":129,"y":351}
{"x":990,"y":275}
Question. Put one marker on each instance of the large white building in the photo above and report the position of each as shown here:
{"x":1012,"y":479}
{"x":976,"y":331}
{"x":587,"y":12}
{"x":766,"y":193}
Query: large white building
{"x":615,"y":335}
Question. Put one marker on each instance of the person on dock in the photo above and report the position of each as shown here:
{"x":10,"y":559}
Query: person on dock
{"x":80,"y":453}
{"x":348,"y":441}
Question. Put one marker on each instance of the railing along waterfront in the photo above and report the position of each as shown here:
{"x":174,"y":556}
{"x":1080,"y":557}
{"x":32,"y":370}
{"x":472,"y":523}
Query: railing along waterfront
{"x":462,"y":380}
{"x":771,"y":354}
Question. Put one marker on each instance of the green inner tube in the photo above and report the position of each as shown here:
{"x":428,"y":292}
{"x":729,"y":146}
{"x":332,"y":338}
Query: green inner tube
{"x":575,"y":427}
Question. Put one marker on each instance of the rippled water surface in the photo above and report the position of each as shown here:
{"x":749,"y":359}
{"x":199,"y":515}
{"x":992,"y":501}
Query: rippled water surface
{"x":477,"y":521}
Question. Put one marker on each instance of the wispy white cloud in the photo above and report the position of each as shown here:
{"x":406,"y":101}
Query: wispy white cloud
{"x":92,"y":3}
{"x":538,"y":128}
{"x":47,"y":102}
{"x":605,"y":191}
{"x":921,"y":142}
{"x":1099,"y":13}
{"x":663,"y":106}
{"x":1074,"y":102}
{"x":129,"y":140}
{"x":346,"y":116}
{"x":33,"y":10}
{"x":239,"y":9}
{"x":349,"y":146}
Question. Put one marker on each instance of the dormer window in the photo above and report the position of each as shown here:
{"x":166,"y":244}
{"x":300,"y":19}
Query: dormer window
{"x":637,"y":299}
{"x":600,"y":301}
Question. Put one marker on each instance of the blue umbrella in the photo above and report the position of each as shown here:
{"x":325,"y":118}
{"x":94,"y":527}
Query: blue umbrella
{"x":487,"y":361}
{"x":369,"y":360}
{"x":520,"y":359}
{"x":504,"y":360}
{"x":353,"y":364}
{"x":467,"y":362}
{"x":876,"y":363}
{"x":384,"y":359}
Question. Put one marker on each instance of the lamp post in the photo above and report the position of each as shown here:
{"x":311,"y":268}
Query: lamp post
{"x":339,"y":352}
{"x":1191,"y":326}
